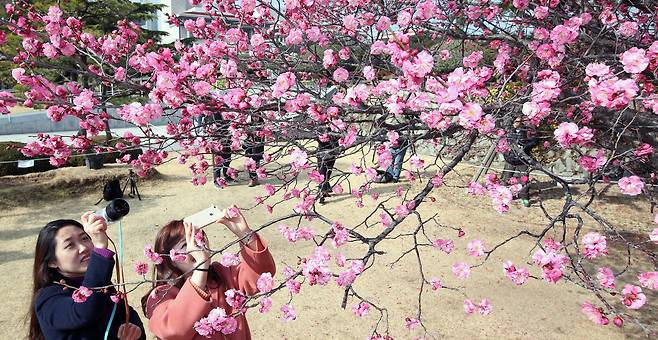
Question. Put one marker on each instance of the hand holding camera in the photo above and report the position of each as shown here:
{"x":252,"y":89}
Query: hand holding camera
{"x":199,"y":254}
{"x":96,"y":228}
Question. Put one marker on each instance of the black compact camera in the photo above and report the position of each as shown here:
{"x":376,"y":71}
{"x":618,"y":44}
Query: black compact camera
{"x":114,"y":211}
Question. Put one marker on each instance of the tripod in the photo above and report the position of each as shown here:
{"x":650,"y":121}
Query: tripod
{"x":132,"y":180}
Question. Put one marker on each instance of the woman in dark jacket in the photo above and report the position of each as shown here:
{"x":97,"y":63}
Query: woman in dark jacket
{"x":519,"y":136}
{"x":68,"y":253}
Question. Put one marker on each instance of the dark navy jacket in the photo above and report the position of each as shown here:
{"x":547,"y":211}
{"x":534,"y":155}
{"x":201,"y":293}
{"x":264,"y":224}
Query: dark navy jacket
{"x":62,"y":318}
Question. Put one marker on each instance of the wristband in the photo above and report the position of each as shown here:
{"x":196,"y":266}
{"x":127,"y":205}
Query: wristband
{"x":202,"y":292}
{"x":247,"y":240}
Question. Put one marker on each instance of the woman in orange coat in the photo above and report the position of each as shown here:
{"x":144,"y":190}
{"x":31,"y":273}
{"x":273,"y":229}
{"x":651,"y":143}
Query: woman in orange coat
{"x":200,"y":287}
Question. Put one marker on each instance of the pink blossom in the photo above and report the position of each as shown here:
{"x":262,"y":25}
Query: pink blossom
{"x":235,"y":298}
{"x":294,"y":235}
{"x":141,"y":268}
{"x":606,"y":277}
{"x":116,"y":297}
{"x":283,"y":83}
{"x":411,"y":323}
{"x":200,"y":239}
{"x":473,"y":59}
{"x":437,"y":180}
{"x":404,"y":18}
{"x":265,"y":283}
{"x":628,"y":28}
{"x":361,"y":309}
{"x":562,"y":35}
{"x":177,"y":256}
{"x":518,"y":276}
{"x":341,"y":75}
{"x":551,"y":245}
{"x":154,"y":257}
{"x":461,"y":270}
{"x":265,"y":305}
{"x":484,"y":308}
{"x":501,"y":197}
{"x":81,"y":294}
{"x":383,"y":23}
{"x":350,"y":23}
{"x":541,"y":12}
{"x":7,"y":100}
{"x":298,"y":159}
{"x":551,"y":263}
{"x":568,"y":134}
{"x":520,"y":4}
{"x":476,"y":248}
{"x":470,"y":115}
{"x":316,"y":269}
{"x":594,"y":245}
{"x":643,"y":150}
{"x":204,"y":328}
{"x":289,"y":313}
{"x":469,"y":307}
{"x":631,"y":185}
{"x":597,"y":70}
{"x":653,"y":236}
{"x":295,"y":37}
{"x":417,"y":162}
{"x":140,"y":114}
{"x":446,"y":245}
{"x":369,"y":73}
{"x":634,"y":60}
{"x":649,"y":280}
{"x":436,"y":284}
{"x":632,"y":297}
{"x":229,"y":260}
{"x":385,"y":219}
{"x":293,"y":286}
{"x":84,"y":101}
{"x":256,"y":40}
{"x":340,"y":234}
{"x":591,"y":164}
{"x":593,"y":313}
{"x":476,"y":189}
{"x":221,"y":322}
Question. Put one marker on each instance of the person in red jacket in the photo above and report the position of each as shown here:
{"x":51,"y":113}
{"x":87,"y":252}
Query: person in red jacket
{"x":197,"y":286}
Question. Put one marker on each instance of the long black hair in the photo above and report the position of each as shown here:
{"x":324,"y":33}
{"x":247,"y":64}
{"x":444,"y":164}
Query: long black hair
{"x":42,"y":274}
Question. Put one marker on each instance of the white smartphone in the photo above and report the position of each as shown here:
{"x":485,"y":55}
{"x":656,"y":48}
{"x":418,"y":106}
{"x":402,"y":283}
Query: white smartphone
{"x":204,"y":217}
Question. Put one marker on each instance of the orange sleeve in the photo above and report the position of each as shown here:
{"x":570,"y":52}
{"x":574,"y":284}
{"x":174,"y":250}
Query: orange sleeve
{"x":173,"y":312}
{"x":254,"y":263}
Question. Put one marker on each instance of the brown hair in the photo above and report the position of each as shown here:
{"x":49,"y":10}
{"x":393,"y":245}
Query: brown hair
{"x":168,"y":236}
{"x":42,"y":275}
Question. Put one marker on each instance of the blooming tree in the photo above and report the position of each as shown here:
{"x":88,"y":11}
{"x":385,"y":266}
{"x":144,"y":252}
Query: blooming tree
{"x":367,"y":74}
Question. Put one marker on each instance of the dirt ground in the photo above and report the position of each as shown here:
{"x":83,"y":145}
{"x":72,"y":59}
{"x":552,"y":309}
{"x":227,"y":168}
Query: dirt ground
{"x":534,"y":310}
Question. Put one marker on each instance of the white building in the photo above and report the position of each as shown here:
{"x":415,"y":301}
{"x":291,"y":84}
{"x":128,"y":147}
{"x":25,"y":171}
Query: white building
{"x":180,"y":8}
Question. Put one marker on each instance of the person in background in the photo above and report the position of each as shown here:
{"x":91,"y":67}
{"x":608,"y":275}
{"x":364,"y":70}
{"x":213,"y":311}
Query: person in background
{"x":392,"y":173}
{"x":254,"y":147}
{"x":515,"y":166}
{"x":218,"y":128}
{"x":327,"y":152}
